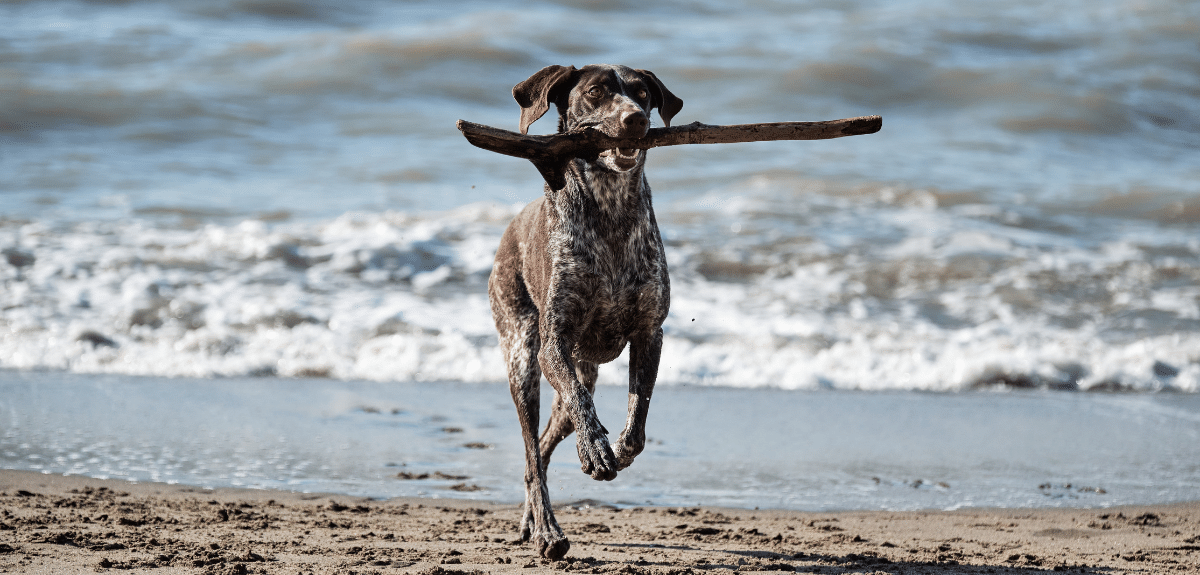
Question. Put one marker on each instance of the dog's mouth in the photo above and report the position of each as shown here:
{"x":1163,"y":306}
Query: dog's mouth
{"x":622,"y":158}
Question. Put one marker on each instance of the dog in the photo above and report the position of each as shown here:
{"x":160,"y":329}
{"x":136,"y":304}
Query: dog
{"x":581,"y":273}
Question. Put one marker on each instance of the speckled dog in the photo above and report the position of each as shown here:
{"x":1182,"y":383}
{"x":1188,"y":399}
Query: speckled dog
{"x":579,"y":274}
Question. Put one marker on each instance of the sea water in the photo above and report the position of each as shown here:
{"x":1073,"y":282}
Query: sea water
{"x":276,"y":190}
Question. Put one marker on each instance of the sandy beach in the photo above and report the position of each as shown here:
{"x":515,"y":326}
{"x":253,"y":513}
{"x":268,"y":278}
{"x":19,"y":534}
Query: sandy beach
{"x":57,"y":524}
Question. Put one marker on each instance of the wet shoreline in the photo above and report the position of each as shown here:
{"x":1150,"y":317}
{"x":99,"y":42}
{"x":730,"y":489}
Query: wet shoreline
{"x":806,"y":450}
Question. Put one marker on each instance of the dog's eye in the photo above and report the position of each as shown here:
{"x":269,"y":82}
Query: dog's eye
{"x":595,"y":92}
{"x":642,"y":94}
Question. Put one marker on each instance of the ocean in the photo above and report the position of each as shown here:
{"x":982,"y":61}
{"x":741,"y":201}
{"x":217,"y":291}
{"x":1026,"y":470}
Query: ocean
{"x":273,"y":192}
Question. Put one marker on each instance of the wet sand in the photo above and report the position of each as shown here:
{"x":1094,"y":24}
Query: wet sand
{"x":56,"y":524}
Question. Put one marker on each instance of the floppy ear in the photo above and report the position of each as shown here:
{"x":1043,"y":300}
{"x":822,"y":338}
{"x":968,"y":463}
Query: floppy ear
{"x":667,"y":103}
{"x":535,"y":94}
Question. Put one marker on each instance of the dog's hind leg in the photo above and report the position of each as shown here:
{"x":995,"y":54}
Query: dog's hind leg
{"x":644,"y":353}
{"x":517,"y":322}
{"x":524,"y":377}
{"x":561,"y":425}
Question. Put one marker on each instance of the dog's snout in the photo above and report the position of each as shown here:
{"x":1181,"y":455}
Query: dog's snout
{"x":635,"y":122}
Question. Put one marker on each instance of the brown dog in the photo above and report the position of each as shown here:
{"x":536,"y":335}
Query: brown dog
{"x":579,"y":274}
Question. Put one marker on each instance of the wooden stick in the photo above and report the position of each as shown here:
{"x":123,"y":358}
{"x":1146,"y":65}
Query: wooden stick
{"x":549,"y":153}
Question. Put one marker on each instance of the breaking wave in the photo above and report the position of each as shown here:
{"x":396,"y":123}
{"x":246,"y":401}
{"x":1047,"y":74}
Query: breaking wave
{"x":881,"y":289}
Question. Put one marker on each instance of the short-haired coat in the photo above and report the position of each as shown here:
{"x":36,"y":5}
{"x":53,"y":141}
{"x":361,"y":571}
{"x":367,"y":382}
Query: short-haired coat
{"x":581,"y":273}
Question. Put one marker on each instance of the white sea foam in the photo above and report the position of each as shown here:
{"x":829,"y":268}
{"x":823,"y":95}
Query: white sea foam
{"x":914,"y":297}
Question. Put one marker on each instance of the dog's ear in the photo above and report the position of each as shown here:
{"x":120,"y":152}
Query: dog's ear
{"x":535,"y":94}
{"x":668,"y":104}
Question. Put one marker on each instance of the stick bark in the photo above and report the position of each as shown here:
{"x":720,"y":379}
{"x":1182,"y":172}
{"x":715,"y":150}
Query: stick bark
{"x":550,"y":153}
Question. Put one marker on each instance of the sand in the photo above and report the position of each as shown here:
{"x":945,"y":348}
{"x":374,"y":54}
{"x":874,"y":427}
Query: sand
{"x":56,"y":524}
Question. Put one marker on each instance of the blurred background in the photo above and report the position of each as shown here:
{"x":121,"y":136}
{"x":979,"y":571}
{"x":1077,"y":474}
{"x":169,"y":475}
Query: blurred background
{"x":276,"y":188}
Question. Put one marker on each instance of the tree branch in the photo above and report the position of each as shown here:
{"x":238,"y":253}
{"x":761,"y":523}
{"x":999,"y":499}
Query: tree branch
{"x":550,"y":153}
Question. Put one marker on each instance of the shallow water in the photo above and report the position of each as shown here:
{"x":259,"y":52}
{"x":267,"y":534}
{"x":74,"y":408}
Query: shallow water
{"x":818,"y":450}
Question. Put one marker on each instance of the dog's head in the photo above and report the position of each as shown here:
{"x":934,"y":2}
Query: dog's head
{"x":615,"y":100}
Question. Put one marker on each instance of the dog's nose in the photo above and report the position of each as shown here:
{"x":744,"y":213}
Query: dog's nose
{"x":635,"y":121}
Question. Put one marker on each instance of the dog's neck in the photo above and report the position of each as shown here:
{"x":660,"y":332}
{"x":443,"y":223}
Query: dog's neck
{"x":616,"y":193}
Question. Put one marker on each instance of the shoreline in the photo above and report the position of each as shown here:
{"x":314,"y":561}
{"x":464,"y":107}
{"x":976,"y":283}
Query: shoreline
{"x":725,"y":447}
{"x":53,"y":524}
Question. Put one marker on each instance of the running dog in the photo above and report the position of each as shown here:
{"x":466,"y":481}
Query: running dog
{"x":580,"y":273}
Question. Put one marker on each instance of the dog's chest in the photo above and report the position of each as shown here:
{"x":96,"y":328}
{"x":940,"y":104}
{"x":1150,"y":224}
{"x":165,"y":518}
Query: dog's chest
{"x":617,"y":268}
{"x":611,"y":257}
{"x":608,"y":234}
{"x":619,"y":301}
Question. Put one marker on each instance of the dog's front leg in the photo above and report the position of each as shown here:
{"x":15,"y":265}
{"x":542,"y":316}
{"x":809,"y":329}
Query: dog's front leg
{"x":644,"y":353}
{"x":596,"y":456}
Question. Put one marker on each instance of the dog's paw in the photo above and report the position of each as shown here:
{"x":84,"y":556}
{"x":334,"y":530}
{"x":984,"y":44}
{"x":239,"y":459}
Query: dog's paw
{"x":552,"y":547}
{"x":526,"y":525}
{"x":627,"y":448}
{"x":624,"y":455}
{"x":596,"y":458}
